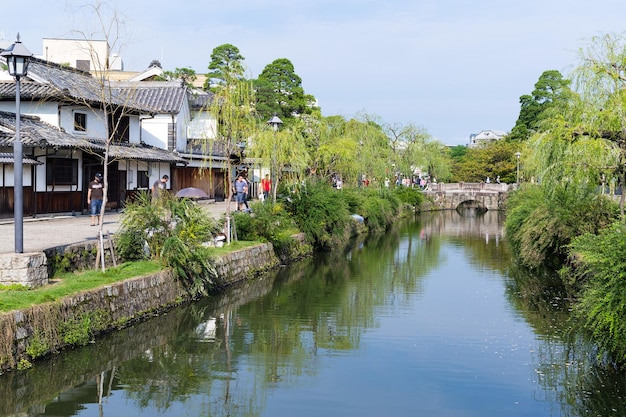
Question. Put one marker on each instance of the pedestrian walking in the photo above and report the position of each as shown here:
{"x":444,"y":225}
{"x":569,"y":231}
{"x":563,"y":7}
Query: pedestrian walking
{"x":95,"y":194}
{"x":266,"y":186}
{"x":159,"y":187}
{"x":241,"y":190}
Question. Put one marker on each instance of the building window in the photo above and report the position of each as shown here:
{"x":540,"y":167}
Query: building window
{"x":119,"y":125}
{"x":83,"y":64}
{"x":171,"y":136}
{"x":80,"y":122}
{"x":143,"y":179}
{"x":61,"y":171}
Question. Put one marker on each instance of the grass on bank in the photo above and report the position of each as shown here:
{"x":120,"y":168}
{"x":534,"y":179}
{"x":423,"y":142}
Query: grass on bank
{"x":16,"y":297}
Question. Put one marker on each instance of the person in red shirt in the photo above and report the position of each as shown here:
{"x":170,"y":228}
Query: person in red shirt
{"x":266,"y":186}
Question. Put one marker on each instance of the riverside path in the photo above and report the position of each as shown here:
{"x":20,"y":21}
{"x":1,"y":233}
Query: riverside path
{"x":44,"y":232}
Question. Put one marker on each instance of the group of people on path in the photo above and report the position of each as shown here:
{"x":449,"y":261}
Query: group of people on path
{"x":95,"y":195}
{"x":242,"y":190}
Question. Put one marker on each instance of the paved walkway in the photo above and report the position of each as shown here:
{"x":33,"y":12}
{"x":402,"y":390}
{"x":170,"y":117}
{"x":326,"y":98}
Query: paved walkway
{"x":49,"y":231}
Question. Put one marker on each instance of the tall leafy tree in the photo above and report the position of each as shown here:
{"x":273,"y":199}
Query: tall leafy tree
{"x":225,"y":68}
{"x":490,"y":160}
{"x":280,"y":149}
{"x":414,"y":148}
{"x":585,"y":140}
{"x":279,"y":91}
{"x":550,"y":90}
{"x":186,"y":76}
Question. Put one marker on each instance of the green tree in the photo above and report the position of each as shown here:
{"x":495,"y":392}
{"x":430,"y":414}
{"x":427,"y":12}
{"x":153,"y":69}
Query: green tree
{"x":284,"y":150}
{"x":372,"y":153}
{"x":457,"y":152}
{"x":330,"y":150}
{"x":490,"y":160}
{"x":225,"y":68}
{"x":550,"y":90}
{"x":601,"y":82}
{"x":279,"y":91}
{"x":186,"y":76}
{"x":233,"y":108}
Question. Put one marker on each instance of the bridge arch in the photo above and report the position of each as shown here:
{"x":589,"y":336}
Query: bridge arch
{"x":471,"y":207}
{"x":466,"y":196}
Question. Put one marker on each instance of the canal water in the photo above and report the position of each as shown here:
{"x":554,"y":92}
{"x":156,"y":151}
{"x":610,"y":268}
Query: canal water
{"x":432,"y":318}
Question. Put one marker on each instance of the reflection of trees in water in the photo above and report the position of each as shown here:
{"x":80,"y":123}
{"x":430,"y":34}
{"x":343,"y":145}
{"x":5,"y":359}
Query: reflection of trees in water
{"x":481,"y":236}
{"x":567,"y":367}
{"x":202,"y":353}
{"x":335,"y":301}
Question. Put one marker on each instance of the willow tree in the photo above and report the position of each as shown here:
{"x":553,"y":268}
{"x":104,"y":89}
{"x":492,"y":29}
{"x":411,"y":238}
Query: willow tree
{"x":330,"y":150}
{"x":99,"y":94}
{"x":414,"y":148}
{"x":373,"y":155}
{"x":601,"y":83}
{"x":583,"y":139}
{"x":580,"y":142}
{"x":284,"y":150}
{"x":232,"y":108}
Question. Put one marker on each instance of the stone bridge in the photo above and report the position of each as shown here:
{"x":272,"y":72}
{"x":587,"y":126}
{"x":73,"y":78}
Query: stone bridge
{"x":466,"y":196}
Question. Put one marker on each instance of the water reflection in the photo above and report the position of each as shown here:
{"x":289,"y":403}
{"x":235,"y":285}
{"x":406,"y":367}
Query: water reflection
{"x":432,"y":315}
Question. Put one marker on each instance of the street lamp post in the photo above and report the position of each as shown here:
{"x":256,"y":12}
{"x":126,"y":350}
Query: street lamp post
{"x":517,"y":155}
{"x":275,"y":122}
{"x":17,"y":57}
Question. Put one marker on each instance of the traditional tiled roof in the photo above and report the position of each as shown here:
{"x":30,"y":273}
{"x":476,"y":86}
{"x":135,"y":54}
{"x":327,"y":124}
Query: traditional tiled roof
{"x":139,"y":152}
{"x":36,"y":133}
{"x":156,"y":96}
{"x":47,"y":80}
{"x":8,"y":159}
{"x":199,"y":99}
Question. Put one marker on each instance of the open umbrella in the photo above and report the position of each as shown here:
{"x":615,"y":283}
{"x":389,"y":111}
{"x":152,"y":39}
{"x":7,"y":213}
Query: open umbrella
{"x":191,"y":192}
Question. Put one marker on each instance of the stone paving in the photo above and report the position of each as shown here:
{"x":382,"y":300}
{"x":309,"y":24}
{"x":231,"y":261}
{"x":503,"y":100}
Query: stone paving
{"x":49,"y":231}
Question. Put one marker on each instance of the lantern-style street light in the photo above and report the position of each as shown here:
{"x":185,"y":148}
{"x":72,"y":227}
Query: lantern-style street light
{"x":275,"y":122}
{"x":17,"y":57}
{"x":517,"y":155}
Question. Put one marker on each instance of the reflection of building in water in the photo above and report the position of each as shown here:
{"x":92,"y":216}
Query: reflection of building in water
{"x":489,"y":225}
{"x":206,"y":330}
{"x":497,"y":237}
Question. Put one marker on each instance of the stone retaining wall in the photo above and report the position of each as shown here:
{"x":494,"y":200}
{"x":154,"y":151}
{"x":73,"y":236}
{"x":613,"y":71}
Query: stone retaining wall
{"x":28,"y":334}
{"x":28,"y":269}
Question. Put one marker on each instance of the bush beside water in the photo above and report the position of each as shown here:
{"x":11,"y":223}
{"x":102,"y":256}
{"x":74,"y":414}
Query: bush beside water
{"x":583,"y":236}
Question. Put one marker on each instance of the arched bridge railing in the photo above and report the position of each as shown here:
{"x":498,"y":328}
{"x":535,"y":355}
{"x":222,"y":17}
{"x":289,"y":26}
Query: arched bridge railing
{"x":470,"y":186}
{"x":483,"y":196}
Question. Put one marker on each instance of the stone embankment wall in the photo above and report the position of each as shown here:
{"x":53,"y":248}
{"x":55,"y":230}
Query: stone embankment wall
{"x":28,"y":334}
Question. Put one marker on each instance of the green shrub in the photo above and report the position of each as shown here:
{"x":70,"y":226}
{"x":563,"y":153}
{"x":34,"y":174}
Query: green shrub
{"x":195,"y":267}
{"x":540,"y":223}
{"x":354,"y":198}
{"x":38,"y":346}
{"x":77,"y":332}
{"x":174,"y":231}
{"x":267,"y":222}
{"x":409,"y":195}
{"x":600,"y":262}
{"x":378,"y":213}
{"x":321,"y":213}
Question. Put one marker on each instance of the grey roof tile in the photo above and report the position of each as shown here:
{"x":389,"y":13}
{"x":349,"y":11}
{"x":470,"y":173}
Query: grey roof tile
{"x":36,"y":133}
{"x":47,"y":80}
{"x":8,"y":159}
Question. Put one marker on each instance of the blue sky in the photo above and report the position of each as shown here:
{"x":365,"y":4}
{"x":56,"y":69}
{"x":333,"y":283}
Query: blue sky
{"x":453,"y":67}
